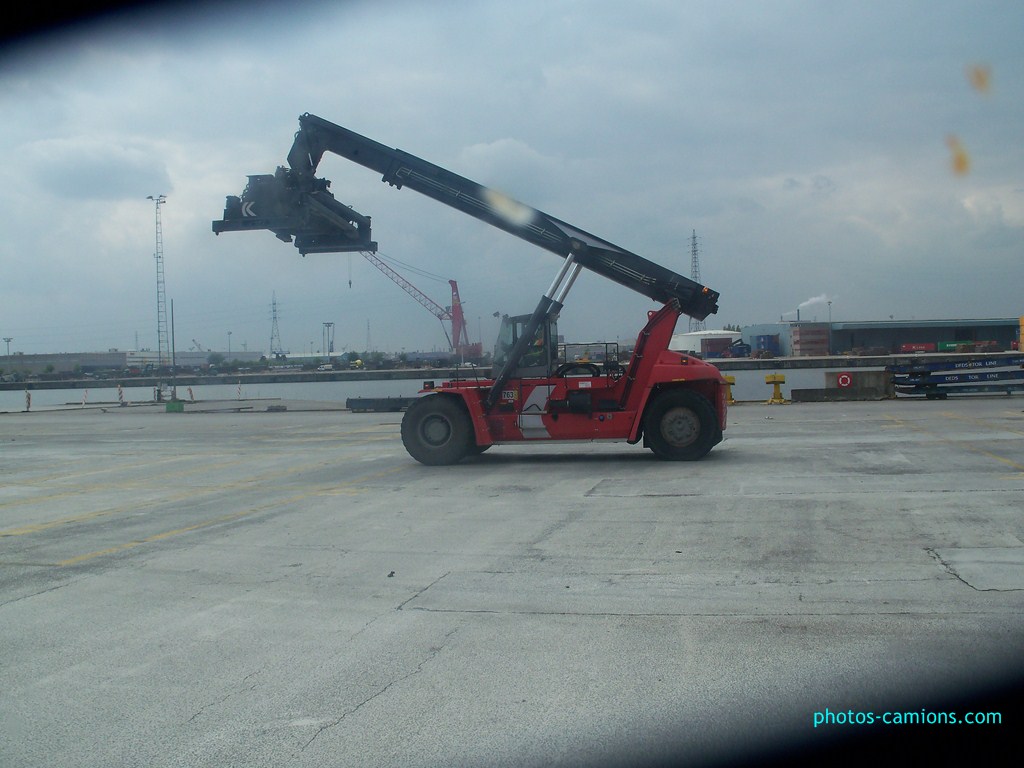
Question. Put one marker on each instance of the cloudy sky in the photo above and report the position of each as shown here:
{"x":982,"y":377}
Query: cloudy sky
{"x":869,"y":154}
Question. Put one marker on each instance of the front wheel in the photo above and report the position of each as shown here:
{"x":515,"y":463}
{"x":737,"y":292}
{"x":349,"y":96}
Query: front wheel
{"x":680,"y":425}
{"x":436,"y":430}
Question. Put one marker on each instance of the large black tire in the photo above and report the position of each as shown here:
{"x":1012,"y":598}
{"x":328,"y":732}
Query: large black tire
{"x":680,"y":425}
{"x":437,"y":430}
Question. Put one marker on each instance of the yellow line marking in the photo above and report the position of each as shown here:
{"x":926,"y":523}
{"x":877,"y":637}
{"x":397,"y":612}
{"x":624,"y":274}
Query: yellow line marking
{"x":960,"y":443}
{"x":37,"y":527}
{"x":114,"y":468}
{"x":190,"y":493}
{"x":982,"y":422}
{"x":335,"y":490}
{"x":155,"y":537}
{"x":78,"y":490}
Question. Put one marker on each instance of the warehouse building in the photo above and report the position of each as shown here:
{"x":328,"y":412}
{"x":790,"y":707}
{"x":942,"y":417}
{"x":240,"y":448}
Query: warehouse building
{"x":883,"y":337}
{"x":901,"y":336}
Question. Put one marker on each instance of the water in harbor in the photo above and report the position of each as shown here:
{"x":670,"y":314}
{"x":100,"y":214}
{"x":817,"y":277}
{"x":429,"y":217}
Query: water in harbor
{"x":320,"y":391}
{"x":749,"y":386}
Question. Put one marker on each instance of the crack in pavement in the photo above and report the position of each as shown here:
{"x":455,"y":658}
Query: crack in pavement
{"x":949,"y":568}
{"x":952,"y":572}
{"x":35,"y":594}
{"x":401,"y":606}
{"x":220,"y":701}
{"x":434,"y":651}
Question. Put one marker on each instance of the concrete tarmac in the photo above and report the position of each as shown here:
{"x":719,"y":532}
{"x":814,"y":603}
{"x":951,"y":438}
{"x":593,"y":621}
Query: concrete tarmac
{"x":232,"y":586}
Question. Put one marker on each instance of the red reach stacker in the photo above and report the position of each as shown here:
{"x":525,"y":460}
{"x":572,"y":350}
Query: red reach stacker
{"x":674,"y":403}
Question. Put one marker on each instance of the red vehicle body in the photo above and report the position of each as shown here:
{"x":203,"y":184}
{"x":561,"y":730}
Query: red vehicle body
{"x":673,"y":402}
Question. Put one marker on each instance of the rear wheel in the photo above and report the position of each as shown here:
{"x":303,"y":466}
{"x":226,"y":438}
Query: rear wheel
{"x":437,"y":430}
{"x":680,"y":425}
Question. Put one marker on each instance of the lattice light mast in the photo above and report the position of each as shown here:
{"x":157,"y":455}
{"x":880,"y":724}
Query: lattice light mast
{"x":328,"y":339}
{"x":162,"y":342}
{"x":695,"y":325}
{"x":275,"y":334}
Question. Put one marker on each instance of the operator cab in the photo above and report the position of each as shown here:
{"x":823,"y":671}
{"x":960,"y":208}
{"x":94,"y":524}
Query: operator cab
{"x":540,"y":359}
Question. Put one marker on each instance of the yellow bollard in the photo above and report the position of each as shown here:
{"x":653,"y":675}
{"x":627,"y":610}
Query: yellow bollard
{"x":729,"y":381}
{"x":778,"y":380}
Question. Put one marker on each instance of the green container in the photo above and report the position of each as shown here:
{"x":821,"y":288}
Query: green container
{"x":948,"y":346}
{"x":175,"y":406}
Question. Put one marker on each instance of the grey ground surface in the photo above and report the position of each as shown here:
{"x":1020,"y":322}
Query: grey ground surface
{"x":227,"y":587}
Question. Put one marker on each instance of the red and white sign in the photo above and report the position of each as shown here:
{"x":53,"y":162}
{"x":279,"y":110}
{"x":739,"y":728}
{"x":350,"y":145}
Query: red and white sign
{"x":844,"y":379}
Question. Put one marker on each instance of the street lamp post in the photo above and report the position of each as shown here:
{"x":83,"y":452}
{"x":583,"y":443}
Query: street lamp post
{"x":8,"y":339}
{"x":229,"y":344}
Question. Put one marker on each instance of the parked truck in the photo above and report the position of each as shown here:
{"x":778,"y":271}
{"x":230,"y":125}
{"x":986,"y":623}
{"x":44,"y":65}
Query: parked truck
{"x":674,"y":403}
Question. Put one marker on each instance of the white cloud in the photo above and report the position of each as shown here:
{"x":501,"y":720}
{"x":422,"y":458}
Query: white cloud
{"x":804,"y":142}
{"x":90,"y":168}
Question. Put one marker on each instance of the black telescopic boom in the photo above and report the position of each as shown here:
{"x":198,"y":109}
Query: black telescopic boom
{"x":400,"y":169}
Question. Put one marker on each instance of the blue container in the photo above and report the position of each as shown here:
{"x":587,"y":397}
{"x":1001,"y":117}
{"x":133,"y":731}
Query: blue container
{"x":768,"y":343}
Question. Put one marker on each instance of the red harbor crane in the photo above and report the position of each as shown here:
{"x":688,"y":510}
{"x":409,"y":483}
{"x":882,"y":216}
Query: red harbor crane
{"x":458,"y":339}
